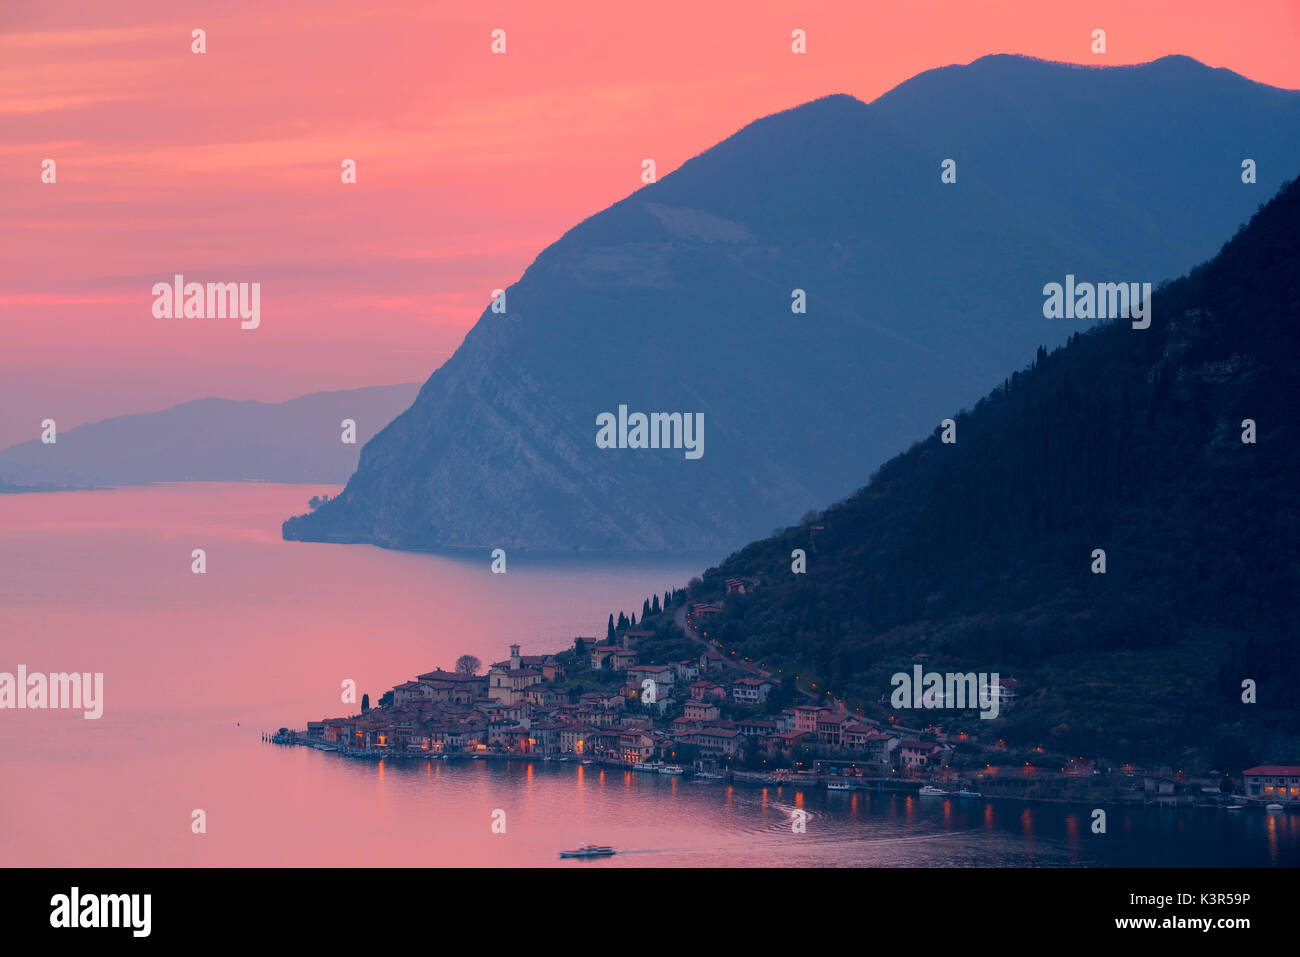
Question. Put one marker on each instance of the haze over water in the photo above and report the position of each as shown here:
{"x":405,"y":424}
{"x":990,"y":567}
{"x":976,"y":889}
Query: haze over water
{"x":197,"y":666}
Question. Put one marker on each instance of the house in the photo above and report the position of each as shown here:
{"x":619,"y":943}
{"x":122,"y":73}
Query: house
{"x":544,"y":737}
{"x":633,"y":636}
{"x":410,"y":691}
{"x":544,"y":695}
{"x":707,"y":691}
{"x":830,"y":727}
{"x":600,"y":700}
{"x":750,"y":690}
{"x":620,"y":659}
{"x":550,"y":668}
{"x":711,"y":660}
{"x":1007,"y":690}
{"x":790,"y":741}
{"x":740,"y":586}
{"x":857,"y":737}
{"x":661,"y":675}
{"x":918,"y":754}
{"x":453,"y":686}
{"x":715,"y":741}
{"x":756,"y":727}
{"x":686,"y":671}
{"x":574,"y":738}
{"x":703,"y":610}
{"x":598,"y":717}
{"x":700,"y":711}
{"x":879,"y":749}
{"x":805,"y":717}
{"x":1274,"y":783}
{"x":1157,"y":787}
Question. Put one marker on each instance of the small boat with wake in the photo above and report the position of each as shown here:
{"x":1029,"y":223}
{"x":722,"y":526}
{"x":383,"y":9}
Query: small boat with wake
{"x":590,"y":850}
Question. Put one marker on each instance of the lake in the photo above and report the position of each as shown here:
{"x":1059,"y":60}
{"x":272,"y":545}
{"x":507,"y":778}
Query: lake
{"x":196,"y":667}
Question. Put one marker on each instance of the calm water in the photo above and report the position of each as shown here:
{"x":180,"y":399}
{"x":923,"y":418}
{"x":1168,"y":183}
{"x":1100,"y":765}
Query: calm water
{"x":196,"y":666}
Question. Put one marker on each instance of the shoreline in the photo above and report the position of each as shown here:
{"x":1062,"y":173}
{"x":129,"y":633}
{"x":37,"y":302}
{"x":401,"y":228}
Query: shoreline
{"x":760,"y":779}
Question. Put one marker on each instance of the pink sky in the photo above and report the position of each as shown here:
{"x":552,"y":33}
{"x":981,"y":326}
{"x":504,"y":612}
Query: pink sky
{"x":225,"y":166}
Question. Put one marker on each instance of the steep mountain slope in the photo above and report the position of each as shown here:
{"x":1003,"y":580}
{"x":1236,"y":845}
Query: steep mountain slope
{"x":920,"y":295}
{"x":979,"y":554}
{"x":214,"y":440}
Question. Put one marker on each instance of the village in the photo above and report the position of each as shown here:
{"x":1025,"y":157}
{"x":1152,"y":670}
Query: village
{"x":669,"y":700}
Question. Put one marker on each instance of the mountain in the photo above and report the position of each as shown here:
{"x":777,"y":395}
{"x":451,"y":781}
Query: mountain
{"x":212,"y":440}
{"x":920,"y":295}
{"x":980,"y":553}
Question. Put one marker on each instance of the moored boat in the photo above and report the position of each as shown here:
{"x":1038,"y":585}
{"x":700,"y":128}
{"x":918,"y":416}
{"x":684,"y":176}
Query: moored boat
{"x":968,"y":794}
{"x":1273,"y":807}
{"x":931,"y":791}
{"x":672,"y":769}
{"x":839,"y":785}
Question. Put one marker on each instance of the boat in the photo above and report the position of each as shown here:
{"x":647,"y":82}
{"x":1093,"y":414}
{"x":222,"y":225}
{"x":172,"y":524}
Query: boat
{"x":1235,"y":807}
{"x":648,"y":767}
{"x":707,"y":776}
{"x":672,"y":769}
{"x":930,"y":790}
{"x":840,"y":785}
{"x":1273,"y":807}
{"x":968,"y":794}
{"x":589,"y":850}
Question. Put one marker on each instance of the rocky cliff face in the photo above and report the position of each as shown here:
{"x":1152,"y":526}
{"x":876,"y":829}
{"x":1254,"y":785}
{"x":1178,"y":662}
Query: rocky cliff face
{"x":920,"y":296}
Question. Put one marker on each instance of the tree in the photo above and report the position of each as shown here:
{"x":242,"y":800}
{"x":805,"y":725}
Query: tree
{"x":654,"y":609}
{"x":609,"y":632}
{"x":468,"y":665}
{"x":365,"y":703}
{"x":645,"y":609}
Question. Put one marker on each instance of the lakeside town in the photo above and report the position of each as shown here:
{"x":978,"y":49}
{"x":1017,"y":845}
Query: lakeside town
{"x":664,"y":698}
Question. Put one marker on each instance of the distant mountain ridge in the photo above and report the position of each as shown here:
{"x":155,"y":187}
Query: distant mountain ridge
{"x":981,"y":555}
{"x":296,"y":441}
{"x":920,"y":295}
